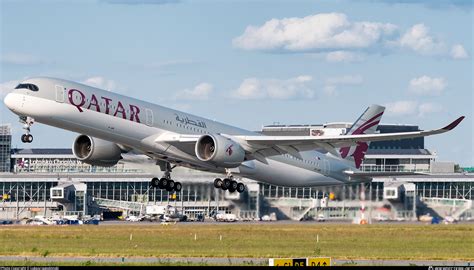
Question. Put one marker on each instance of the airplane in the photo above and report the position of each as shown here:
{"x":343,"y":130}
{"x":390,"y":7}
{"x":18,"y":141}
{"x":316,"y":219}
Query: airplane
{"x":112,"y":125}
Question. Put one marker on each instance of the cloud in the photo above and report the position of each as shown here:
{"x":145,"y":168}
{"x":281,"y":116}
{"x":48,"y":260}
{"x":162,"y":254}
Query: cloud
{"x":201,"y":91}
{"x":343,"y":56}
{"x":142,"y":2}
{"x":401,"y":108}
{"x":418,"y":39}
{"x":22,"y":59}
{"x":320,"y":32}
{"x":339,"y":38}
{"x":426,"y":85}
{"x":412,"y":108}
{"x":7,"y":87}
{"x":428,"y":108}
{"x":101,"y":82}
{"x":293,"y":88}
{"x":458,"y":52}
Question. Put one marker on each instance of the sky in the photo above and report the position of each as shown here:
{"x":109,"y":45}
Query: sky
{"x":254,"y":63}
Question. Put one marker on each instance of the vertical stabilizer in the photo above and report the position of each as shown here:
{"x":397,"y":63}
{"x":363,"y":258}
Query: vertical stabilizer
{"x":367,"y":123}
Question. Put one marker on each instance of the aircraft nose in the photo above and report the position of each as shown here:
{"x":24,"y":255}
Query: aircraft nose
{"x":9,"y":101}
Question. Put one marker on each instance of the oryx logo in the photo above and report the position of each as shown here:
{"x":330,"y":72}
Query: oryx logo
{"x":229,"y":150}
{"x":358,"y":151}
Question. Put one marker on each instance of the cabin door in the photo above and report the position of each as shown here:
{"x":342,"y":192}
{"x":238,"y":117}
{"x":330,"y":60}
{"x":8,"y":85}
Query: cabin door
{"x":149,"y":117}
{"x":60,"y":93}
{"x":326,"y":166}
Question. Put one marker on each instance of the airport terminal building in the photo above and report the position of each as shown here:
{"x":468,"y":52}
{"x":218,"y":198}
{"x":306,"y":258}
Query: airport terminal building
{"x":52,"y":181}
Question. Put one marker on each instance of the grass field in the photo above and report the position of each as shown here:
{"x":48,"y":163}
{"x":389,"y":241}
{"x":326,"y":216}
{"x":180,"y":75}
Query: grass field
{"x":32,"y":263}
{"x":91,"y":263}
{"x":341,"y":241}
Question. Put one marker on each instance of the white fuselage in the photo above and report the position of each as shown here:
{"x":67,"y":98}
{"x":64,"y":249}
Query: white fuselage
{"x":137,"y":124}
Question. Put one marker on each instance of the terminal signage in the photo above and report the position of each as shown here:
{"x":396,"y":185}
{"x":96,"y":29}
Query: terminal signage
{"x":320,"y":261}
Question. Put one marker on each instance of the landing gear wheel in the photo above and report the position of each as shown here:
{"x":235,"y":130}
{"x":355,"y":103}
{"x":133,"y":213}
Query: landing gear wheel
{"x":163,"y":183}
{"x":170,"y":186}
{"x":27,"y":123}
{"x":155,"y":182}
{"x":26,"y":138}
{"x":178,"y":187}
{"x":240,"y":187}
{"x":218,"y":183}
{"x":227,"y":184}
{"x":233,"y":186}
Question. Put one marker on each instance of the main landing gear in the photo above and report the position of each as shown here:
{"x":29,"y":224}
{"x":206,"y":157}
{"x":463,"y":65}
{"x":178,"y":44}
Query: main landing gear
{"x":165,"y":182}
{"x":229,"y":184}
{"x":27,"y":123}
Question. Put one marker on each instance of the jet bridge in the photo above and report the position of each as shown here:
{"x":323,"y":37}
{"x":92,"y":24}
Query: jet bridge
{"x":72,"y":195}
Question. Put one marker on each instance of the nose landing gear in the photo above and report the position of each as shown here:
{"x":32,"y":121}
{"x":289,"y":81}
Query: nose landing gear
{"x":26,"y":138}
{"x":27,"y":123}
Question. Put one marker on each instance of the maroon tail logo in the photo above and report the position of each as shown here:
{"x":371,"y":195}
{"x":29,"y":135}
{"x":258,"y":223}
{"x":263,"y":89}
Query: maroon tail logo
{"x":361,"y":147}
{"x":229,"y":150}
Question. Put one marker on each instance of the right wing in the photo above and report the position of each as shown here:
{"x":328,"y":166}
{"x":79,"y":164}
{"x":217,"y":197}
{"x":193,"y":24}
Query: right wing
{"x":343,"y":140}
{"x":274,"y":145}
{"x":381,"y":174}
{"x":261,"y":146}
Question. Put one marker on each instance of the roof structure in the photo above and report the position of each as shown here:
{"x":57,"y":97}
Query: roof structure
{"x":5,"y":130}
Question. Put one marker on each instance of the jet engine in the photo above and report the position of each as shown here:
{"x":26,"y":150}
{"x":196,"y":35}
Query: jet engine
{"x":95,"y":151}
{"x":219,"y":150}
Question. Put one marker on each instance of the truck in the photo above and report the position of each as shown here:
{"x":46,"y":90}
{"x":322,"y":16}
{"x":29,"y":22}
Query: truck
{"x":226,"y":217}
{"x":156,"y":209}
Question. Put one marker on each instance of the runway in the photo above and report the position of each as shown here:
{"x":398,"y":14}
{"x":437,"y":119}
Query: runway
{"x":226,"y":261}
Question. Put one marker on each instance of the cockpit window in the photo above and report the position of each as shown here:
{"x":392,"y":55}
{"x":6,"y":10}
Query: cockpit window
{"x":29,"y":86}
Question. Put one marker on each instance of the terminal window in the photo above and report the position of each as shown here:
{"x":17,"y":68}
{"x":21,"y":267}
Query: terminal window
{"x":57,"y":193}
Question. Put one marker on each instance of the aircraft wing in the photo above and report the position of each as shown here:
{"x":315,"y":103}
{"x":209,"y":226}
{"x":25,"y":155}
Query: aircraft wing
{"x":294,"y":144}
{"x":344,"y":140}
{"x":381,"y":174}
{"x":261,"y":146}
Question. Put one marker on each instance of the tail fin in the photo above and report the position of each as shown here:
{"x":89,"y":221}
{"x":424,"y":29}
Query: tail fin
{"x":366,"y":124}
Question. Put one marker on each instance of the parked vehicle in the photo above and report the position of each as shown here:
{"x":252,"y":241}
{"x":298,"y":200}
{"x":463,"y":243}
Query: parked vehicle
{"x":226,"y":217}
{"x":321,"y":218}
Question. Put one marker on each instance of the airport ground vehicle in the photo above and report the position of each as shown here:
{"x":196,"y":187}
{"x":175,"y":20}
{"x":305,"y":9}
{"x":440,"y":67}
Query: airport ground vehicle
{"x":321,"y":218}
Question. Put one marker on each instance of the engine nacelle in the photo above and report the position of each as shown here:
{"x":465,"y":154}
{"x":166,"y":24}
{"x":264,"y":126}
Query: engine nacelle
{"x":95,"y":151}
{"x":220,"y":151}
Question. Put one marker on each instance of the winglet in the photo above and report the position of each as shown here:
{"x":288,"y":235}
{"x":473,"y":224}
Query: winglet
{"x":454,"y":123}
